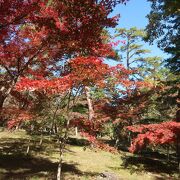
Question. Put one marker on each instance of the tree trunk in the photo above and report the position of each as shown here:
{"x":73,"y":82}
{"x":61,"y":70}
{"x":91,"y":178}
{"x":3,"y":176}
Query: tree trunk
{"x":59,"y":171}
{"x":76,"y":131}
{"x":90,"y":105}
{"x":178,"y":142}
{"x":41,"y":139}
{"x":28,"y":147}
{"x":5,"y":92}
{"x":178,"y":153}
{"x":89,"y":101}
{"x":62,"y":141}
{"x":168,"y":155}
{"x":2,"y":99}
{"x":127,"y":54}
{"x":59,"y":168}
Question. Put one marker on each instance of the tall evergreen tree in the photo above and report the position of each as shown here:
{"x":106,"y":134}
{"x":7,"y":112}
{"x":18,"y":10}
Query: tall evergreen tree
{"x":132,"y":50}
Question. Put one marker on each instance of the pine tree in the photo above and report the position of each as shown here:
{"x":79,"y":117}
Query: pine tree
{"x":132,"y":50}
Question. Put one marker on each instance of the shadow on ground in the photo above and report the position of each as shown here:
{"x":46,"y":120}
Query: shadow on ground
{"x":78,"y":142}
{"x":140,"y":163}
{"x":21,"y":167}
{"x":15,"y":164}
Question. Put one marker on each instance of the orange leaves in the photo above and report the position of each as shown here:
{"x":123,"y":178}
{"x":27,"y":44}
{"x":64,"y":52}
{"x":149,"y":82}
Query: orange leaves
{"x":98,"y":143}
{"x":52,"y":13}
{"x":88,"y":71}
{"x":16,"y":116}
{"x":84,"y":71}
{"x":39,"y":34}
{"x":143,"y":84}
{"x":162,"y":133}
{"x":52,"y":86}
{"x":90,"y":130}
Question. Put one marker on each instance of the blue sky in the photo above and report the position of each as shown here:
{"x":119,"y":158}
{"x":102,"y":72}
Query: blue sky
{"x":134,"y":14}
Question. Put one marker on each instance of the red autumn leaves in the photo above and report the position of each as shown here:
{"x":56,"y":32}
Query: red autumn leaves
{"x":154,"y":134}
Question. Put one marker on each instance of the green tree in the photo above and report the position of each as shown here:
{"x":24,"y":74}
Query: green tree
{"x":164,"y":25}
{"x":164,"y":21}
{"x":132,"y":50}
{"x":152,"y":70}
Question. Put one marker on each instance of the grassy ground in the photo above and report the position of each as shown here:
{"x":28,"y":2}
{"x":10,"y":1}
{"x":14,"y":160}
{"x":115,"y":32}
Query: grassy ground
{"x":79,"y":162}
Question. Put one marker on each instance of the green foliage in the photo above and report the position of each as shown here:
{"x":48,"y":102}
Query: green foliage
{"x":152,"y":70}
{"x":79,"y":108}
{"x":168,"y":98}
{"x":163,"y":25}
{"x":97,"y":93}
{"x":133,"y":51}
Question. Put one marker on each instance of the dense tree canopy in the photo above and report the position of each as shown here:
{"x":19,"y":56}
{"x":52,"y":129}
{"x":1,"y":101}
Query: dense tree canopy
{"x":34,"y":40}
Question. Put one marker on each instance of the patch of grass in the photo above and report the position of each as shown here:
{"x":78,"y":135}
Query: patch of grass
{"x":79,"y":162}
{"x":13,"y":134}
{"x":97,"y":162}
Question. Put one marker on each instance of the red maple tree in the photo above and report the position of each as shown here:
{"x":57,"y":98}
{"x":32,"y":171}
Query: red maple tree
{"x":36,"y":35}
{"x":154,"y":134}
